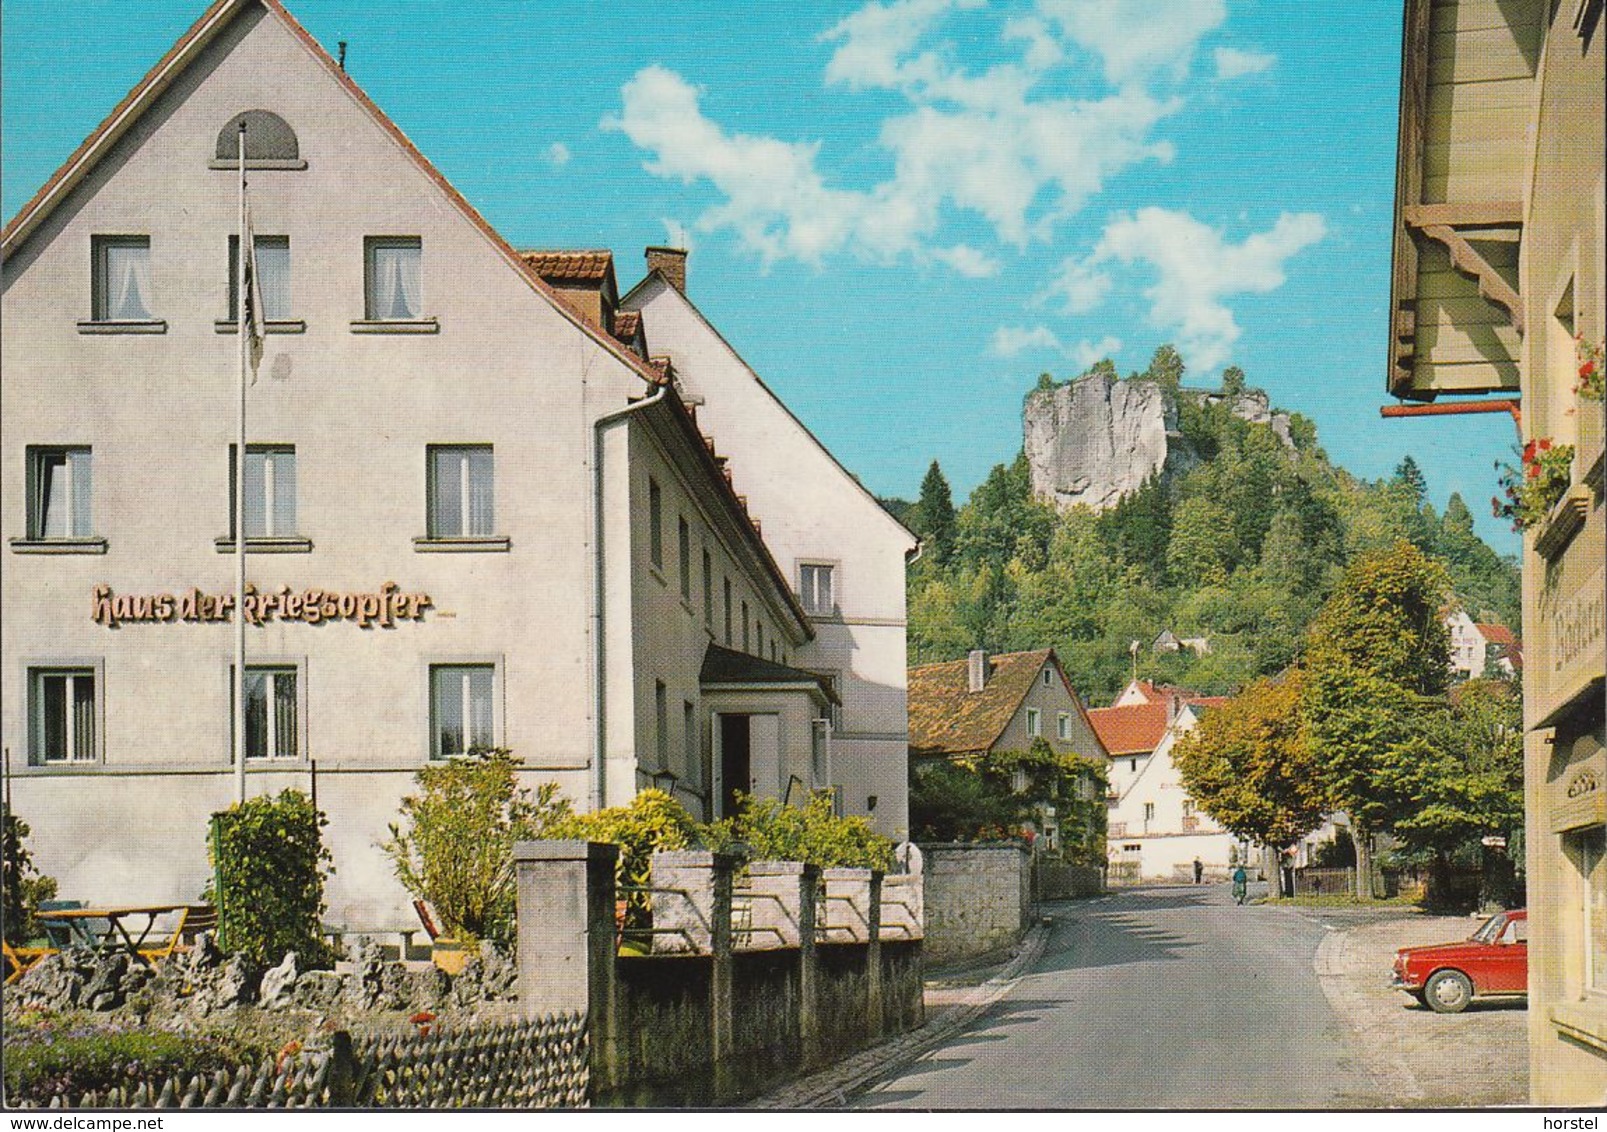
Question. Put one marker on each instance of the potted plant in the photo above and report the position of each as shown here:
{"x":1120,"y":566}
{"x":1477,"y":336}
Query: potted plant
{"x":1590,"y":390}
{"x":1530,"y":492}
{"x":453,"y":849}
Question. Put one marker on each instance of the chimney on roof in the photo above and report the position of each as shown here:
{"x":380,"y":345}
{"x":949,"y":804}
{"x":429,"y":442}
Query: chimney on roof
{"x":976,"y":667}
{"x":670,"y":263}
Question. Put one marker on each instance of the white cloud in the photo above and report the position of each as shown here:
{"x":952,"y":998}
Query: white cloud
{"x":1082,"y":286}
{"x":1231,"y":63}
{"x":967,"y":261}
{"x":558,"y":155}
{"x":1196,"y":268}
{"x":1086,"y":353}
{"x":1008,"y":341}
{"x":1138,"y":39}
{"x":676,"y":234}
{"x":1004,"y":143}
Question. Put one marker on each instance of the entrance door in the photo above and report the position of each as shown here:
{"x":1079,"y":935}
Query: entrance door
{"x":747,"y":758}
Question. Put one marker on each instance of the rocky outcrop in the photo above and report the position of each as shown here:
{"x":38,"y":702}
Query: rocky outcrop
{"x":1094,"y":441}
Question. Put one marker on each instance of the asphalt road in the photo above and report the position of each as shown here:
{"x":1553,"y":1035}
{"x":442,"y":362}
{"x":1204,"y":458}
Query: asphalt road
{"x":1158,"y":998}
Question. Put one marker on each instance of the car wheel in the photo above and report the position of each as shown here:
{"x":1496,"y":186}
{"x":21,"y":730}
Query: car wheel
{"x":1447,"y":992}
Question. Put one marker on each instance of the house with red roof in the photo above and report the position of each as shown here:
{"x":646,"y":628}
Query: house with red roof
{"x":1155,"y":831}
{"x":983,"y":705}
{"x":1478,"y":647}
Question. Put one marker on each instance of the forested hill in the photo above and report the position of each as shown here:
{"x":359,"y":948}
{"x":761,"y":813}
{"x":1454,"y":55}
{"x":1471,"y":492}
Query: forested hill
{"x":1240,"y":549}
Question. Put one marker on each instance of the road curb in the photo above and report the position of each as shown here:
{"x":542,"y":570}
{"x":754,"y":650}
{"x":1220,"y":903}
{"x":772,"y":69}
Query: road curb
{"x":832,"y":1087}
{"x":1395,"y":1080}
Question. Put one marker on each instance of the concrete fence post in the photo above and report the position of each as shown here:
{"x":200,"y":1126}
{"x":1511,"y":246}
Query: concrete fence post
{"x":721,"y":976}
{"x":683,"y":902}
{"x":567,"y":949}
{"x":810,"y":917}
{"x":875,"y":1013}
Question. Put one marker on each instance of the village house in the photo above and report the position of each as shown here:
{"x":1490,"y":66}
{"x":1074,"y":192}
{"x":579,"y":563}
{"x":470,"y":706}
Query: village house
{"x":1155,"y":830}
{"x":982,"y":706}
{"x":476,"y":511}
{"x":841,"y":551}
{"x":1480,"y":647}
{"x":1499,"y":287}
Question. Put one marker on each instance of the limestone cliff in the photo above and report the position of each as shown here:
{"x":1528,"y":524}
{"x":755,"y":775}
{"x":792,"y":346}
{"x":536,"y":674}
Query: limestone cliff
{"x":1095,"y":440}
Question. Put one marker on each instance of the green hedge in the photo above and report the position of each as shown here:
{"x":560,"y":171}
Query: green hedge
{"x":269,"y":863}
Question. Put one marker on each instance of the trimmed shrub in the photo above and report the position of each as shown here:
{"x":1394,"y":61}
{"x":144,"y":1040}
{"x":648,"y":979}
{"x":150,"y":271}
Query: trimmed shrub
{"x":269,"y":863}
{"x":812,"y":833}
{"x":456,"y":850}
{"x":24,"y":888}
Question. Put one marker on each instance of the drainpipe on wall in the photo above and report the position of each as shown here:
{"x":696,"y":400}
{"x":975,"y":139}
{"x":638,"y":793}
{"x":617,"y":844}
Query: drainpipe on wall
{"x":599,"y":649}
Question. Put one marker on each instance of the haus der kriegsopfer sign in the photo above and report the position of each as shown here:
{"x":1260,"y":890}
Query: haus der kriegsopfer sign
{"x":382,"y":608}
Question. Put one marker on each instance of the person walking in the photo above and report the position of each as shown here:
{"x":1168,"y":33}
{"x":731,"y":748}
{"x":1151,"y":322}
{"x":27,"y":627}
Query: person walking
{"x":1199,"y":871}
{"x":1240,"y":884}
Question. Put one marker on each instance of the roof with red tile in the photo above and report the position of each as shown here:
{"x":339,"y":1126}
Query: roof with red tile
{"x":1496,"y":634}
{"x":946,"y":718}
{"x":1132,"y":730}
{"x":561,"y":266}
{"x":627,"y":324}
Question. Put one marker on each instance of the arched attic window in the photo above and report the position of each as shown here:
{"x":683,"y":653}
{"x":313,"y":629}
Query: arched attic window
{"x":270,"y":143}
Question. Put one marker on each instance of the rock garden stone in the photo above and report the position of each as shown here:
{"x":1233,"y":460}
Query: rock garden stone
{"x":278,"y":982}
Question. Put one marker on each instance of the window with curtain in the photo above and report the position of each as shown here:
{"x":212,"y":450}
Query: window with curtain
{"x":394,"y":278}
{"x":271,"y":713}
{"x":59,"y":493}
{"x":273,"y":275}
{"x":122,"y":280}
{"x":462,"y":717}
{"x":816,"y":582}
{"x":1063,"y":722}
{"x":270,"y":491}
{"x":460,"y":491}
{"x":1034,"y":723}
{"x":63,"y":711}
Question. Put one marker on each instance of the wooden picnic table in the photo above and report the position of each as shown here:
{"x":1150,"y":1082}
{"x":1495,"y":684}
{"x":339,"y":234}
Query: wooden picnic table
{"x":118,"y":934}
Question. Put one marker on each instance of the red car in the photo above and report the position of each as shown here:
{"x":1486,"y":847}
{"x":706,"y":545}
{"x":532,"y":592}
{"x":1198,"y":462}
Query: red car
{"x":1447,"y":976}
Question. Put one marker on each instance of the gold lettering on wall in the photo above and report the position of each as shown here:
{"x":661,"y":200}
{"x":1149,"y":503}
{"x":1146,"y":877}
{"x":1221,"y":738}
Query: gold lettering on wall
{"x":383,"y":608}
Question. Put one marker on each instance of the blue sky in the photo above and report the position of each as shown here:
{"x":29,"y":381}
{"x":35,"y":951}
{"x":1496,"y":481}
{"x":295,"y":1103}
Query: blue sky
{"x":901,"y":213}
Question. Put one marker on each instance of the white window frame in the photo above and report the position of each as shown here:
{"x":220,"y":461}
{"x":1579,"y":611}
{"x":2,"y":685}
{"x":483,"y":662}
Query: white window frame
{"x":277,"y":460}
{"x":1063,"y":726}
{"x":34,"y":672}
{"x":1048,"y":677}
{"x":272,"y":666}
{"x":1034,"y":722}
{"x":373,"y":244}
{"x":819,"y":587}
{"x":498,"y":701}
{"x":77,"y":468}
{"x":100,"y":291}
{"x":464,"y":471}
{"x":260,"y":244}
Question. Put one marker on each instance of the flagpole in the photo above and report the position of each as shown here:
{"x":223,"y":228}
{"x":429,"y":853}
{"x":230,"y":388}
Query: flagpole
{"x":240,"y":300}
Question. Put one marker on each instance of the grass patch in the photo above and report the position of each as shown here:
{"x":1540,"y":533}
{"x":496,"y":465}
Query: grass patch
{"x":1339,"y":901}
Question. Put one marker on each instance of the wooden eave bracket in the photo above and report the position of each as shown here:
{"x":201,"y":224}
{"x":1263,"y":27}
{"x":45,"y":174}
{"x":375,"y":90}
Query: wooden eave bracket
{"x":1442,"y":223}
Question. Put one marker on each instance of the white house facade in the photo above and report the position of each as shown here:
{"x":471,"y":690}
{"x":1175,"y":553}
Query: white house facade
{"x":475,"y":515}
{"x":840,"y":549}
{"x":1155,"y":830}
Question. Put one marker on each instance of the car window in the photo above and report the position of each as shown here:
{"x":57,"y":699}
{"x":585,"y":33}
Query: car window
{"x":1517,"y":932}
{"x":1491,"y":930}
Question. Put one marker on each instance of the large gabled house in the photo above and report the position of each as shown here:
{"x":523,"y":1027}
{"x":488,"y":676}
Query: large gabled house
{"x":476,"y":512}
{"x":969,"y":710}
